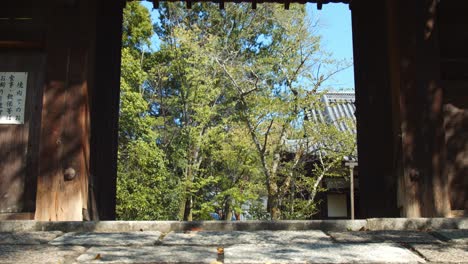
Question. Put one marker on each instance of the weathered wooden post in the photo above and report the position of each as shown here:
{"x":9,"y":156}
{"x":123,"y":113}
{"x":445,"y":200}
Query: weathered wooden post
{"x":424,"y":187}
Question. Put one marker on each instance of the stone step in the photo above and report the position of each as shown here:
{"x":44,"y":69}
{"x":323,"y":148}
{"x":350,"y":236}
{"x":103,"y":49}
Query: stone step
{"x":243,"y":237}
{"x":251,"y":253}
{"x":215,"y":247}
{"x":415,"y":224}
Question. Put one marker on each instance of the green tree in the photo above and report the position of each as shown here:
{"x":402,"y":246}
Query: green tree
{"x":206,"y":119}
{"x":318,"y":154}
{"x":269,"y":65}
{"x":188,"y":99}
{"x":196,"y":103}
{"x":145,"y":188}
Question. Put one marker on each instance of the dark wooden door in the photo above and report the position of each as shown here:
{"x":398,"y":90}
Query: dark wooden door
{"x":19,"y":143}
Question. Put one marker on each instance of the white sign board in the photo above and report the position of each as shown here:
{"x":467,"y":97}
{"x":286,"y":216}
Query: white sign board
{"x":12,"y":97}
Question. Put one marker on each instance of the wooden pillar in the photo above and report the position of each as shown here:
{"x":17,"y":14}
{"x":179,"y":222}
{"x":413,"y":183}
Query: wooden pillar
{"x":78,"y":149}
{"x":374,"y":110}
{"x":453,"y":36}
{"x":424,"y":187}
{"x":105,"y":105}
{"x":63,"y":161}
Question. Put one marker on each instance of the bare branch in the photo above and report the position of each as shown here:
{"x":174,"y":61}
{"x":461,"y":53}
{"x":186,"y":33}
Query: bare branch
{"x":266,"y":135}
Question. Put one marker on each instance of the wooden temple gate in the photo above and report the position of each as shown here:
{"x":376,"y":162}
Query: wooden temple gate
{"x":68,"y":163}
{"x":58,"y":159}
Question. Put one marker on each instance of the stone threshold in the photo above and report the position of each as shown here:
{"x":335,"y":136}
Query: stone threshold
{"x":410,"y":224}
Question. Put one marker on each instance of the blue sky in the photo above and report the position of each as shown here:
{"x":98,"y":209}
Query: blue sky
{"x":335,"y":29}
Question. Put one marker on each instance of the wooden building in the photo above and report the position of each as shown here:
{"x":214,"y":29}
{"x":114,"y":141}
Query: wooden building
{"x":58,"y":161}
{"x":336,"y":109}
{"x":340,"y":111}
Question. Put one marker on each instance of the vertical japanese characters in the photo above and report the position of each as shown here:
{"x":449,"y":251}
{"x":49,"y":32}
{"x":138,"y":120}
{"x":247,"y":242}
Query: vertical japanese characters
{"x":12,"y":97}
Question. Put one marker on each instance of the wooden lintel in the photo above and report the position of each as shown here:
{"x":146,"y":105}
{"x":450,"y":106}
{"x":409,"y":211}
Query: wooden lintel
{"x":21,"y":45}
{"x":155,"y":4}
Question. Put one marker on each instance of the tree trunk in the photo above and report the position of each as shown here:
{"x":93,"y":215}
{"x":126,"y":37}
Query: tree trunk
{"x":273,"y":199}
{"x":194,"y":165}
{"x":273,"y":194}
{"x":227,"y":208}
{"x":188,"y":209}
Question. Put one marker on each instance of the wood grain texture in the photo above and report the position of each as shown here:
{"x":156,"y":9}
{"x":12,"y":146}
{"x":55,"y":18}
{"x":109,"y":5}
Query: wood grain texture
{"x":16,"y":216}
{"x":425,"y":188}
{"x":374,"y":113}
{"x":105,"y":105}
{"x":63,"y":145}
{"x":456,"y":163}
{"x":19,"y":143}
{"x":65,"y":127}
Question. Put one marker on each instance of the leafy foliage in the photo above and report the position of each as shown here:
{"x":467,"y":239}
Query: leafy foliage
{"x":145,"y":189}
{"x":205,"y":119}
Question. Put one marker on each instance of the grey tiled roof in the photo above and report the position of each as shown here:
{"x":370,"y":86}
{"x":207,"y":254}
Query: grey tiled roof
{"x":336,"y":108}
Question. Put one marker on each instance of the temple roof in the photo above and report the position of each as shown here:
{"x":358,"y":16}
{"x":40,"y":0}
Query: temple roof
{"x":336,"y":108}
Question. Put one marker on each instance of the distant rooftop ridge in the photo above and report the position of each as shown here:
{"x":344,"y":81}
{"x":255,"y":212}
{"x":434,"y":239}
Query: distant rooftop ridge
{"x":338,"y":109}
{"x":339,"y":96}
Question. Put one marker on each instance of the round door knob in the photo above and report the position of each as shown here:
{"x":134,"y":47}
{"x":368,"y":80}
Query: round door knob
{"x":69,"y":174}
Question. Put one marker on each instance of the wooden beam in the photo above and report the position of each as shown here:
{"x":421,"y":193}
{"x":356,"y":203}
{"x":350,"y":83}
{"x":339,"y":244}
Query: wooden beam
{"x":63,"y":164}
{"x":376,"y":149}
{"x":105,"y":105}
{"x":264,"y":1}
{"x":155,"y":4}
{"x":26,"y":45}
{"x":424,"y":187}
{"x":456,"y":167}
{"x":16,"y":216}
{"x":19,"y":143}
{"x":319,"y":4}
